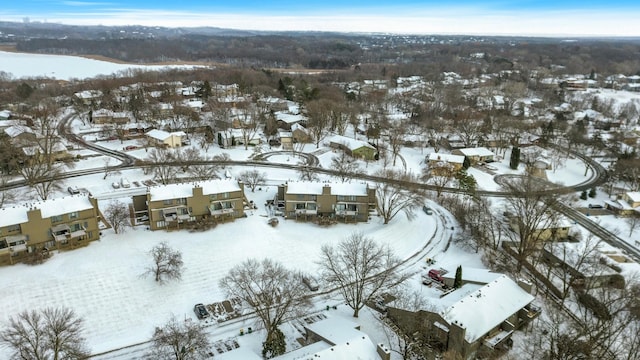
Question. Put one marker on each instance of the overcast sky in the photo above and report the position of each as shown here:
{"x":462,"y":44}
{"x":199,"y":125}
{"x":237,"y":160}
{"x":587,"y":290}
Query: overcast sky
{"x":497,"y":17}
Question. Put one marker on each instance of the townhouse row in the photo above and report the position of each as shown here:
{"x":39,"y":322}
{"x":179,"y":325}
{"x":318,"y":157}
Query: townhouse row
{"x":32,"y":230}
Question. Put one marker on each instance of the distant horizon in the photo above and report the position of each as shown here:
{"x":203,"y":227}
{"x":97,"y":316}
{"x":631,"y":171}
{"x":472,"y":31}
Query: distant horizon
{"x":571,"y":18}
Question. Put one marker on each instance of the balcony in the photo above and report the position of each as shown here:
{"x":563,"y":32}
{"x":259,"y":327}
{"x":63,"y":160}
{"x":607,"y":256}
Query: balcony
{"x":178,"y":213}
{"x":220,"y":208}
{"x":346,"y":212}
{"x":346,"y":209}
{"x":306,"y":211}
{"x":17,"y":243}
{"x":61,"y":232}
{"x":532,"y":311}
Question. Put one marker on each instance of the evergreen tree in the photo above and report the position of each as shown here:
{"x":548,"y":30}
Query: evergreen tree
{"x":515,"y":158}
{"x":466,"y":163}
{"x":457,"y":282}
{"x":592,"y":193}
{"x":583,"y":196}
{"x":275,"y":346}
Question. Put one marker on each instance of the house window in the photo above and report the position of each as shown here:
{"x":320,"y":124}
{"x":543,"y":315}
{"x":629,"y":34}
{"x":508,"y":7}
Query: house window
{"x":13,"y":228}
{"x":225,"y":195}
{"x":90,"y":234}
{"x":182,"y":201}
{"x":73,"y":215}
{"x":160,"y":224}
{"x":168,"y":202}
{"x":300,"y":197}
{"x":56,"y":218}
{"x":76,"y":227}
{"x":213,"y":197}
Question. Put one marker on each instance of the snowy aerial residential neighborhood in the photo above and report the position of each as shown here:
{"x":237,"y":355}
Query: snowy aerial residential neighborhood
{"x":243,"y":221}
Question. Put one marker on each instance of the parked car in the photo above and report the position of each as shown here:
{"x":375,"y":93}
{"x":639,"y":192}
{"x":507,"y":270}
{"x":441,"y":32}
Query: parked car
{"x":427,"y":210}
{"x":116,"y":185}
{"x":201,"y":311}
{"x":125,"y":183}
{"x":595,"y":206}
{"x":435,"y":275}
{"x":73,"y":190}
{"x":311,"y":283}
{"x":130,"y":147}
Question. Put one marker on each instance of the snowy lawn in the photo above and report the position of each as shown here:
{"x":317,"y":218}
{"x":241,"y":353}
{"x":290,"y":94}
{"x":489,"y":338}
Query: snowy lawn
{"x":102,"y":282}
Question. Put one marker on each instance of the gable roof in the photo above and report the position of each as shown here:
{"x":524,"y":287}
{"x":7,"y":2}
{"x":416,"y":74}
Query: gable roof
{"x":487,"y":307}
{"x":315,"y":188}
{"x":163,"y":135}
{"x":477,"y":151}
{"x":450,"y":158}
{"x":351,"y":144}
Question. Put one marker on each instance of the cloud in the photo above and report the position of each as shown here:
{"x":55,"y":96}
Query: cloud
{"x":85,"y":3}
{"x":442,"y":20}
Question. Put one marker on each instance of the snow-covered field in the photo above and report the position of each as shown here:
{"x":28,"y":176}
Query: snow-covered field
{"x":102,"y":282}
{"x":22,"y":65}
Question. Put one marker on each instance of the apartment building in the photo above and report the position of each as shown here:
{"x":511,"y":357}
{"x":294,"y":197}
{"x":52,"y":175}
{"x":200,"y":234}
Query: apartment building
{"x":340,"y":201}
{"x":55,"y":224}
{"x":176,"y":205}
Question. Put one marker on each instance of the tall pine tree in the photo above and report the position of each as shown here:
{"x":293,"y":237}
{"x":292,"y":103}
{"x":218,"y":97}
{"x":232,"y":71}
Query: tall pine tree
{"x":457,"y":282}
{"x":515,"y":158}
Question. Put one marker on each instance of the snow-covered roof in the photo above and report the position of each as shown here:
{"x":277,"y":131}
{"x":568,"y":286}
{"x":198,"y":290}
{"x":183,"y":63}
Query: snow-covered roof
{"x":88,"y":94}
{"x":477,"y":151}
{"x":5,"y":114}
{"x":450,"y":158}
{"x":185,"y":190}
{"x":48,"y":208}
{"x":17,"y":130}
{"x":487,"y":307}
{"x":163,"y":135}
{"x":289,"y":118}
{"x":471,"y":274}
{"x":297,"y":126}
{"x":634,"y":196}
{"x":13,"y":215}
{"x":350,"y":143}
{"x":315,"y":188}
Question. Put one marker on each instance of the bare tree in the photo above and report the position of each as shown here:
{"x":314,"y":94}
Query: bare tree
{"x":396,"y":197}
{"x":42,"y":178}
{"x":633,"y":221}
{"x":117,"y":214}
{"x":440,"y":175}
{"x":253,"y":178}
{"x":274,"y":292}
{"x":167,"y":263}
{"x":52,"y":333}
{"x":179,"y":340}
{"x":396,"y":136}
{"x":345,"y":166}
{"x":360,"y":268}
{"x":401,"y":335}
{"x":6,"y":195}
{"x":532,"y":217}
{"x":162,"y":170}
{"x":108,"y":169}
{"x":319,"y":112}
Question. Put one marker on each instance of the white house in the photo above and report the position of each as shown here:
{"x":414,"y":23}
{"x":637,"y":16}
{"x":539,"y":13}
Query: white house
{"x":164,"y":138}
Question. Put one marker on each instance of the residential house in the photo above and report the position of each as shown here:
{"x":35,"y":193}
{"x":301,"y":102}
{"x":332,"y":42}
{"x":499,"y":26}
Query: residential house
{"x":327,"y":338}
{"x":20,"y":135}
{"x":164,"y":138}
{"x":175,"y":206}
{"x":547,"y":229}
{"x":101,"y":116}
{"x":354,"y":148}
{"x":40,"y":227}
{"x":300,"y":134}
{"x":318,"y":201}
{"x":89,"y":97}
{"x":626,"y":204}
{"x":585,"y":267}
{"x":476,"y":155}
{"x":444,"y":164}
{"x":286,"y":139}
{"x":471,"y":319}
{"x":286,"y":119}
{"x":5,"y":114}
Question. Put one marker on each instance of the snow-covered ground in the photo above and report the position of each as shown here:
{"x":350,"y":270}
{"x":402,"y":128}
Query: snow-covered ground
{"x":22,"y":65}
{"x":102,"y":282}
